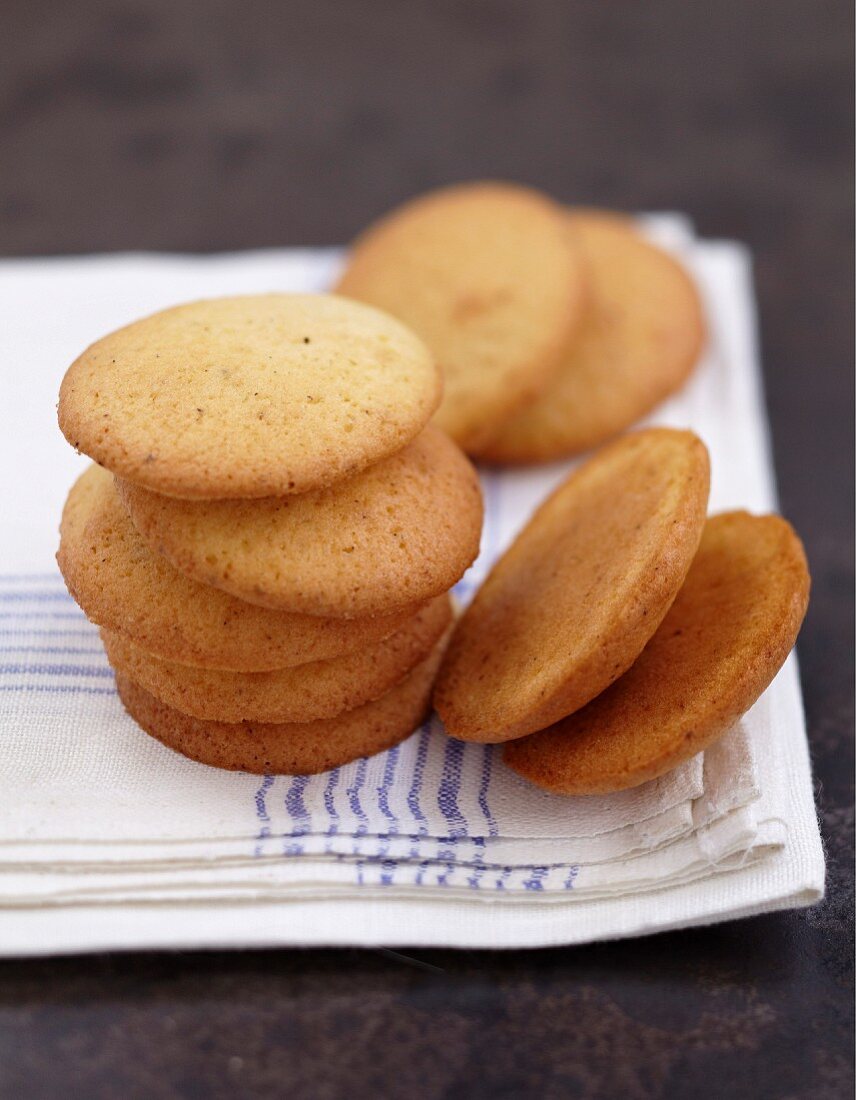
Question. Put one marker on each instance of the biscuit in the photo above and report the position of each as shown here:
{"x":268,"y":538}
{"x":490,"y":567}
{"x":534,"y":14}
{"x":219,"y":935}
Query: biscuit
{"x":571,"y":604}
{"x":123,"y":586}
{"x":400,"y":532}
{"x":303,"y":693}
{"x":722,"y":642}
{"x":249,"y":397}
{"x":288,"y":748}
{"x":640,"y":336}
{"x":486,"y":275}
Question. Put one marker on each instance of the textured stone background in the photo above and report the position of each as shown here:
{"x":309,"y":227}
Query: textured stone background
{"x":162,"y":124}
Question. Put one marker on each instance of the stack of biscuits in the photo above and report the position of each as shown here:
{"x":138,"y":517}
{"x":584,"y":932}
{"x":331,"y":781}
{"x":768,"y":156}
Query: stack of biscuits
{"x":271,"y":528}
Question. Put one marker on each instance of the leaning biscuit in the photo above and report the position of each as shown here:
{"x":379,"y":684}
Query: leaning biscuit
{"x":571,"y":604}
{"x":123,"y":586}
{"x":639,"y":338}
{"x":722,"y":642}
{"x":401,"y":532}
{"x":249,"y":397}
{"x":486,"y":275}
{"x":297,"y":748}
{"x":303,"y":693}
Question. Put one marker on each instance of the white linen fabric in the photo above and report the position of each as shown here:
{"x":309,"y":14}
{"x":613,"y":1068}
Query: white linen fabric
{"x":109,"y":840}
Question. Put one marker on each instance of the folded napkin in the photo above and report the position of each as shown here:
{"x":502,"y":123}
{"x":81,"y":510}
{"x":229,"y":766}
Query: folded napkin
{"x":109,"y":840}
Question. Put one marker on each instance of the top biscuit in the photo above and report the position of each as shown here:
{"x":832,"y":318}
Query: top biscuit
{"x":249,"y":397}
{"x":571,"y":604}
{"x":639,"y":338}
{"x":486,"y":275}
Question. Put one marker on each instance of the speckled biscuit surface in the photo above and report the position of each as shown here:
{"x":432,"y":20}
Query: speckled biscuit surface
{"x":303,"y":693}
{"x":249,"y":397}
{"x":486,"y":275}
{"x":400,"y":532}
{"x":641,"y":334}
{"x":722,"y":642}
{"x":123,"y":586}
{"x":297,"y":748}
{"x":573,"y":601}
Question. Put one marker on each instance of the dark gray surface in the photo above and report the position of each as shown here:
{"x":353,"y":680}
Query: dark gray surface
{"x":161,"y":125}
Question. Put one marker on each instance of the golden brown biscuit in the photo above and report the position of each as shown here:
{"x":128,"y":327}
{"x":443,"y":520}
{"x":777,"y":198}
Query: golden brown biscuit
{"x":123,"y":586}
{"x":571,"y":604}
{"x":722,"y":642}
{"x":249,"y":397}
{"x":640,"y":336}
{"x":401,"y":532}
{"x":485,"y":274}
{"x":297,"y":748}
{"x":303,"y":693}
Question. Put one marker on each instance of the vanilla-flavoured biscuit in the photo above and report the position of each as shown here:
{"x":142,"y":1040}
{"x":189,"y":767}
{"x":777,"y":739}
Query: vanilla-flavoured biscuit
{"x":486,"y":275}
{"x":398,"y":533}
{"x":294,"y":748}
{"x":722,"y":642}
{"x":571,"y":604}
{"x":123,"y":586}
{"x":249,"y":397}
{"x":640,"y":335}
{"x":303,"y":693}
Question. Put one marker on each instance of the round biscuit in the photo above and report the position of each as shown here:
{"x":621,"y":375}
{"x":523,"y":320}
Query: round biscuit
{"x":249,"y":397}
{"x":721,"y":643}
{"x":485,"y":273}
{"x":640,"y":335}
{"x":400,"y":532}
{"x":572,"y":602}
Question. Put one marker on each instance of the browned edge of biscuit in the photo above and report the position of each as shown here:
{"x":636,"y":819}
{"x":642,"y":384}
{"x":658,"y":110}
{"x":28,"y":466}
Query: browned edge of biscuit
{"x":289,"y":749}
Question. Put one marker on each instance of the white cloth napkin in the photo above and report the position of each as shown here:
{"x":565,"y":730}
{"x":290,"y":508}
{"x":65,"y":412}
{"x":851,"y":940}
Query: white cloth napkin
{"x":109,"y":840}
